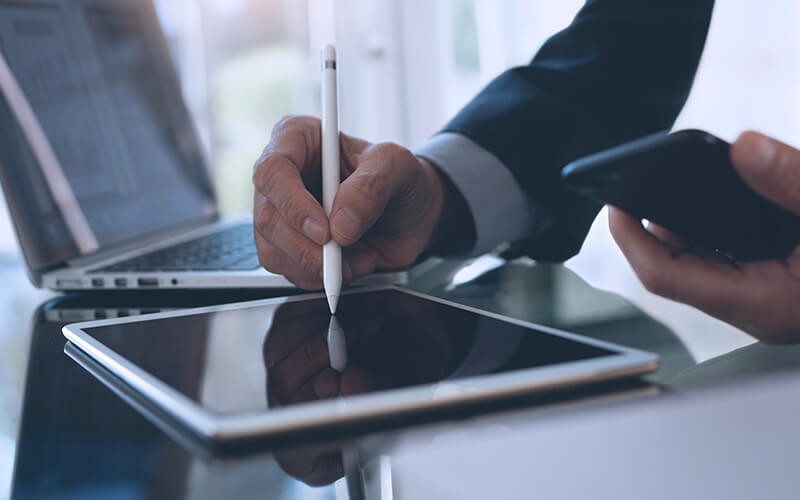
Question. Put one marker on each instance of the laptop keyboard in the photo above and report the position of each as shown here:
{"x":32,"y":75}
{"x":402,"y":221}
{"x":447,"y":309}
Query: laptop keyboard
{"x":231,"y":249}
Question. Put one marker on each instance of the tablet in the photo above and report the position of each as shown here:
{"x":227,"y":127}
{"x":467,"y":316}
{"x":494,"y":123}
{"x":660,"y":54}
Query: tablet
{"x":270,"y":368}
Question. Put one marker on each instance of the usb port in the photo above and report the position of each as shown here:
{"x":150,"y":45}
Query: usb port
{"x":100,"y":315}
{"x":147,"y":282}
{"x":121,"y":282}
{"x":98,"y":282}
{"x":70,"y":283}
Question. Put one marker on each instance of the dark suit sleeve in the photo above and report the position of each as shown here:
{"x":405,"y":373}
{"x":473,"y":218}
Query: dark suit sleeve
{"x":622,"y":69}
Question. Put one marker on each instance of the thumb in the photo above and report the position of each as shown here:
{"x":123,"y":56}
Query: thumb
{"x":770,"y":167}
{"x":383,"y":171}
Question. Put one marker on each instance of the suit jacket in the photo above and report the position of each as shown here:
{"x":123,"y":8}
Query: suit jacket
{"x":623,"y":69}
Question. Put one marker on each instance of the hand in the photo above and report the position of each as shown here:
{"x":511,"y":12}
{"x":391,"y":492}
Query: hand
{"x":390,"y":344}
{"x":761,"y":297}
{"x":391,"y":341}
{"x":296,"y":355}
{"x":384,"y":215}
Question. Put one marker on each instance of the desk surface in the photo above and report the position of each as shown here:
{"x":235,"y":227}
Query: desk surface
{"x":63,"y":434}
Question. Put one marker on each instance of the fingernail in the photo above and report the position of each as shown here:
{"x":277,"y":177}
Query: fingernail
{"x":315,"y":230}
{"x":347,"y":222}
{"x":766,"y":149}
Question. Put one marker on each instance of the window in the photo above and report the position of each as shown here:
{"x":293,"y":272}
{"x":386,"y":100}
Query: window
{"x":409,"y":66}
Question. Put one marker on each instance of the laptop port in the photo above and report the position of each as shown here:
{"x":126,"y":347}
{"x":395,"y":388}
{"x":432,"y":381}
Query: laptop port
{"x":143,"y":282}
{"x":100,"y":315}
{"x":98,"y":282}
{"x":70,"y":316}
{"x":122,"y":313}
{"x":69,"y":283}
{"x":121,"y":282}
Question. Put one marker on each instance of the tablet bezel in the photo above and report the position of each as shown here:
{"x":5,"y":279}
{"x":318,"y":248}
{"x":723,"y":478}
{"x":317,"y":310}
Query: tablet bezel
{"x":229,"y":428}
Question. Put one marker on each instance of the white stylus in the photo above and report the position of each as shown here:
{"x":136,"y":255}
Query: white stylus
{"x":331,"y":252}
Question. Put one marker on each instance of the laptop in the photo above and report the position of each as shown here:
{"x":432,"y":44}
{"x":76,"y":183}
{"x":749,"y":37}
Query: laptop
{"x":102,"y":169}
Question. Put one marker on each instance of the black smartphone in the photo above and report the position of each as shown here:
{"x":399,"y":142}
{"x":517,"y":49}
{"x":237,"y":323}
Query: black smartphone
{"x":685,"y":182}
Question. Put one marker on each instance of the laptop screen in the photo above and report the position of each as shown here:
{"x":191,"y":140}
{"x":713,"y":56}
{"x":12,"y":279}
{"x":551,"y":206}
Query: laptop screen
{"x":97,"y":79}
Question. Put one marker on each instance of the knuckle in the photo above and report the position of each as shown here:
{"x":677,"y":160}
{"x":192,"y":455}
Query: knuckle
{"x":294,"y":125}
{"x":293,"y":210}
{"x":290,"y":123}
{"x":287,"y":131}
{"x":270,"y":172}
{"x":394,"y":155}
{"x":389,"y":149}
{"x":282,"y":127}
{"x":400,"y":155}
{"x":267,"y":220}
{"x":285,"y":121}
{"x":261,"y":159}
{"x":374,"y":187}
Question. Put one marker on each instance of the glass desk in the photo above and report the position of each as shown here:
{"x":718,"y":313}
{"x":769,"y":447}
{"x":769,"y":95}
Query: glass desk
{"x":65,"y":435}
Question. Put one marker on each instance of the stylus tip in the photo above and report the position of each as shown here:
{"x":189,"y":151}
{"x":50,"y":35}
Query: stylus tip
{"x":333,"y":301}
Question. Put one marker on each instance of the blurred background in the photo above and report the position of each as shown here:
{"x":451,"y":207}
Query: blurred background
{"x":406,"y":67}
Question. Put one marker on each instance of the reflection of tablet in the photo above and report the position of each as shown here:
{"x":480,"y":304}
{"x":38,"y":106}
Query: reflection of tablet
{"x":266,"y":368}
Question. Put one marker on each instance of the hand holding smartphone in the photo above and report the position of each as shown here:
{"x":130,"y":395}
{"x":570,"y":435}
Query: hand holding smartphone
{"x":685,"y":182}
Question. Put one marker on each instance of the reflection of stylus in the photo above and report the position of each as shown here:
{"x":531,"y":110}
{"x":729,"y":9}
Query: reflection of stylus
{"x":337,"y":348}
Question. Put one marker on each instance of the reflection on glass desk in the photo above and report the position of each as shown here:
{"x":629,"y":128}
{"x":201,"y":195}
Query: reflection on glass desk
{"x":77,"y":439}
{"x":285,"y":368}
{"x":734,"y":442}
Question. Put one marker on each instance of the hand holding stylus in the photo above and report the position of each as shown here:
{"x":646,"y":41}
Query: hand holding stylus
{"x":388,"y":209}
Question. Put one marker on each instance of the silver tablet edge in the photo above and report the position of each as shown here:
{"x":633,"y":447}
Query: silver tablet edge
{"x":222,"y":428}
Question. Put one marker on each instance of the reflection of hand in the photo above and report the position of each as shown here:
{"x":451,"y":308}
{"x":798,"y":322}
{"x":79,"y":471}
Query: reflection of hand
{"x":390,"y":343}
{"x":384,"y":214}
{"x":759,"y":297}
{"x":297,"y":358}
{"x":315,"y":467}
{"x":296,"y":355}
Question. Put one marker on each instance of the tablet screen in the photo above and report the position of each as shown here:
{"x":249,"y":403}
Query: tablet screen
{"x":267,"y":356}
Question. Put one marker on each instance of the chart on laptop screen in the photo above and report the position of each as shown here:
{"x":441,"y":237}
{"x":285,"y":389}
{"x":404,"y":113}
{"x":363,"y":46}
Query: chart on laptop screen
{"x":100,"y":86}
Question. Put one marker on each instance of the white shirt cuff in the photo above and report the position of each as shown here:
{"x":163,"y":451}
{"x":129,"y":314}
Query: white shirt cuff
{"x":500,"y":209}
